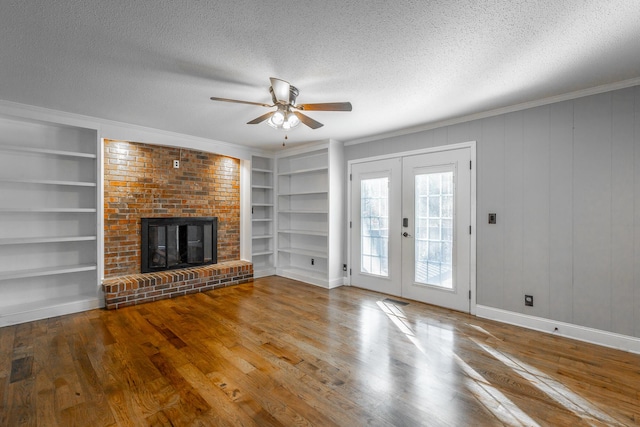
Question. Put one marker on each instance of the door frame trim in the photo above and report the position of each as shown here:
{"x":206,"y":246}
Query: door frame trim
{"x":471,"y":145}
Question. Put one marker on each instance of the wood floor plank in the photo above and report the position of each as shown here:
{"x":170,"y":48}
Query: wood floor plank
{"x":95,"y":402}
{"x":21,"y":369}
{"x":55,"y":365}
{"x":45,"y":404}
{"x":217,"y":400}
{"x":21,"y":405}
{"x":101,"y":332}
{"x":276,"y":352}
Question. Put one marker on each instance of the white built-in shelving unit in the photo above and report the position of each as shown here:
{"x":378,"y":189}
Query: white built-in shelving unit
{"x":48,"y":219}
{"x":262,"y":216}
{"x":310,"y":215}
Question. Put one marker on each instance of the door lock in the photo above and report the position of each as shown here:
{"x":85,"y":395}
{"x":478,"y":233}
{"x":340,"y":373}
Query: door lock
{"x":405,"y":234}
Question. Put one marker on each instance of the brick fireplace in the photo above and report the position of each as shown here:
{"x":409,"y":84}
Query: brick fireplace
{"x":140,"y":181}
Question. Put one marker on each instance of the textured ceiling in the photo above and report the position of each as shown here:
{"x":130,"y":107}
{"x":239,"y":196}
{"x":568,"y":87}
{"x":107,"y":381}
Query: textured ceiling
{"x":401,"y":64}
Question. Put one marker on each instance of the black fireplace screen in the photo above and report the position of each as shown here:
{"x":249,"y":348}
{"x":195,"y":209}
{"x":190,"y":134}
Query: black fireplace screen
{"x":169,"y":243}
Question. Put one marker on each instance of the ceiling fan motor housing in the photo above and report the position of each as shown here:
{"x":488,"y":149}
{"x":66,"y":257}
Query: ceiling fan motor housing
{"x":293,"y":94}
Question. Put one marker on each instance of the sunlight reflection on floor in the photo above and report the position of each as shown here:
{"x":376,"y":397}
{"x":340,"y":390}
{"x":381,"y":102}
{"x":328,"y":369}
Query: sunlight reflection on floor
{"x":398,"y":318}
{"x":552,"y":388}
{"x":490,"y":397}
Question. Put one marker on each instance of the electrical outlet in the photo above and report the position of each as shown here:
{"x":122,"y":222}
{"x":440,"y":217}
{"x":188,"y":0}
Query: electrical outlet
{"x":492,"y":218}
{"x":528,"y":300}
{"x":176,"y":164}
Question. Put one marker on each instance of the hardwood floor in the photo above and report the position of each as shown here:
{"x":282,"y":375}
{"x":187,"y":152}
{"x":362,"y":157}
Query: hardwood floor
{"x":282,"y":353}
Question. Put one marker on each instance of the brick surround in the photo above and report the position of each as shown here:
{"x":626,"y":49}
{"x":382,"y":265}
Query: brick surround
{"x":141,"y":182}
{"x":136,"y":289}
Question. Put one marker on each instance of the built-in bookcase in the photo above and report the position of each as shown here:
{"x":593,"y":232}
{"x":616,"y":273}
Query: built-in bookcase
{"x":49,"y":219}
{"x":310,"y":215}
{"x":262,"y":216}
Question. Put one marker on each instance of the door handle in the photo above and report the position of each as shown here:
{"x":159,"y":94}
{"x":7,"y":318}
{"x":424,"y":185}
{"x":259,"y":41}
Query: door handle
{"x":405,"y":234}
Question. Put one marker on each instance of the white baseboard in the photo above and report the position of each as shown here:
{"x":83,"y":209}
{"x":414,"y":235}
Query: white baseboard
{"x":302,"y":276}
{"x":30,"y":312}
{"x":263,"y":272}
{"x":335,"y":283}
{"x":568,"y":330}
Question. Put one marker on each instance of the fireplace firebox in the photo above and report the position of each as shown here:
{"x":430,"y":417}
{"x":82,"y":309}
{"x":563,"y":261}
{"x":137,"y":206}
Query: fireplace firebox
{"x":170,"y":243}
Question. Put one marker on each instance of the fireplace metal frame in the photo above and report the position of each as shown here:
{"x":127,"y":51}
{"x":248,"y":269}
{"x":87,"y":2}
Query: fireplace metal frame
{"x":146,"y":223}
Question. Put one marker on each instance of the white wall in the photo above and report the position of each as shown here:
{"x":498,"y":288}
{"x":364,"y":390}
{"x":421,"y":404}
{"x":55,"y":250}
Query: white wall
{"x":564,"y":180}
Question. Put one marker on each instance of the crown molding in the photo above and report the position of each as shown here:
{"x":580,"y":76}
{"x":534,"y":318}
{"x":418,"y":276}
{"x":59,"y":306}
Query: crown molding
{"x":122,"y":131}
{"x":609,"y":87}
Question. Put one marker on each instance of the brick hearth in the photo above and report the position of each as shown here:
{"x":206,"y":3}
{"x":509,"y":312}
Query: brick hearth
{"x":133,"y":289}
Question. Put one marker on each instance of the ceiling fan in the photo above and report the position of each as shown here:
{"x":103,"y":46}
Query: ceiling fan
{"x":287,"y":114}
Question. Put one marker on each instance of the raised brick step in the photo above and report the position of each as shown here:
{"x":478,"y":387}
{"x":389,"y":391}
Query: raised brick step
{"x":136,"y":289}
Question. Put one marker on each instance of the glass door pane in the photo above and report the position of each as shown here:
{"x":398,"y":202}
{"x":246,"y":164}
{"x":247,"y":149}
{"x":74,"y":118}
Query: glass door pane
{"x":374,"y":220}
{"x":157,"y":247}
{"x":195,"y":244}
{"x":434,"y":229}
{"x":173,"y":253}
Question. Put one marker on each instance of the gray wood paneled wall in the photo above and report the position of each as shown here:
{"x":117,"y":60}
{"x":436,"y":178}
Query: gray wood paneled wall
{"x":564,"y":180}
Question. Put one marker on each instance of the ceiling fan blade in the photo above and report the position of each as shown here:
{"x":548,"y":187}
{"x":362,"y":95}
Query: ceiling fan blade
{"x":213,"y":98}
{"x":308,"y":120}
{"x":281,"y":90}
{"x":261,"y":119}
{"x":327,"y":106}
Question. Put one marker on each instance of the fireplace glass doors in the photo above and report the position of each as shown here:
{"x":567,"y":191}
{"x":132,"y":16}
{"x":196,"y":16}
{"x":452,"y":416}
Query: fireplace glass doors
{"x":169,"y":243}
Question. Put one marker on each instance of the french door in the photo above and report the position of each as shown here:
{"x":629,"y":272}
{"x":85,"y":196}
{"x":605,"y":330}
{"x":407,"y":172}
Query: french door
{"x":376,"y":225}
{"x":410,"y":227}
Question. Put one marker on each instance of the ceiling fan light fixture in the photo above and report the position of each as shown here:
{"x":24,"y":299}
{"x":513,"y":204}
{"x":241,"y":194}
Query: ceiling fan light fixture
{"x":277,"y":119}
{"x":284,"y":120}
{"x":292,"y":119}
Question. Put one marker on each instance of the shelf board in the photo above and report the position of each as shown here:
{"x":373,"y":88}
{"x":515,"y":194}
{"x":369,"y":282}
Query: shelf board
{"x":300,"y":251}
{"x":303,"y":212}
{"x":302,"y":193}
{"x":261,"y":170}
{"x":32,"y":240}
{"x":48,"y":210}
{"x":304,"y":232}
{"x":21,"y":149}
{"x":48,"y":271}
{"x":265,"y":236}
{"x":262,"y":205}
{"x":262,"y":253}
{"x":262,"y":220}
{"x":303,"y":171}
{"x":48,"y":182}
